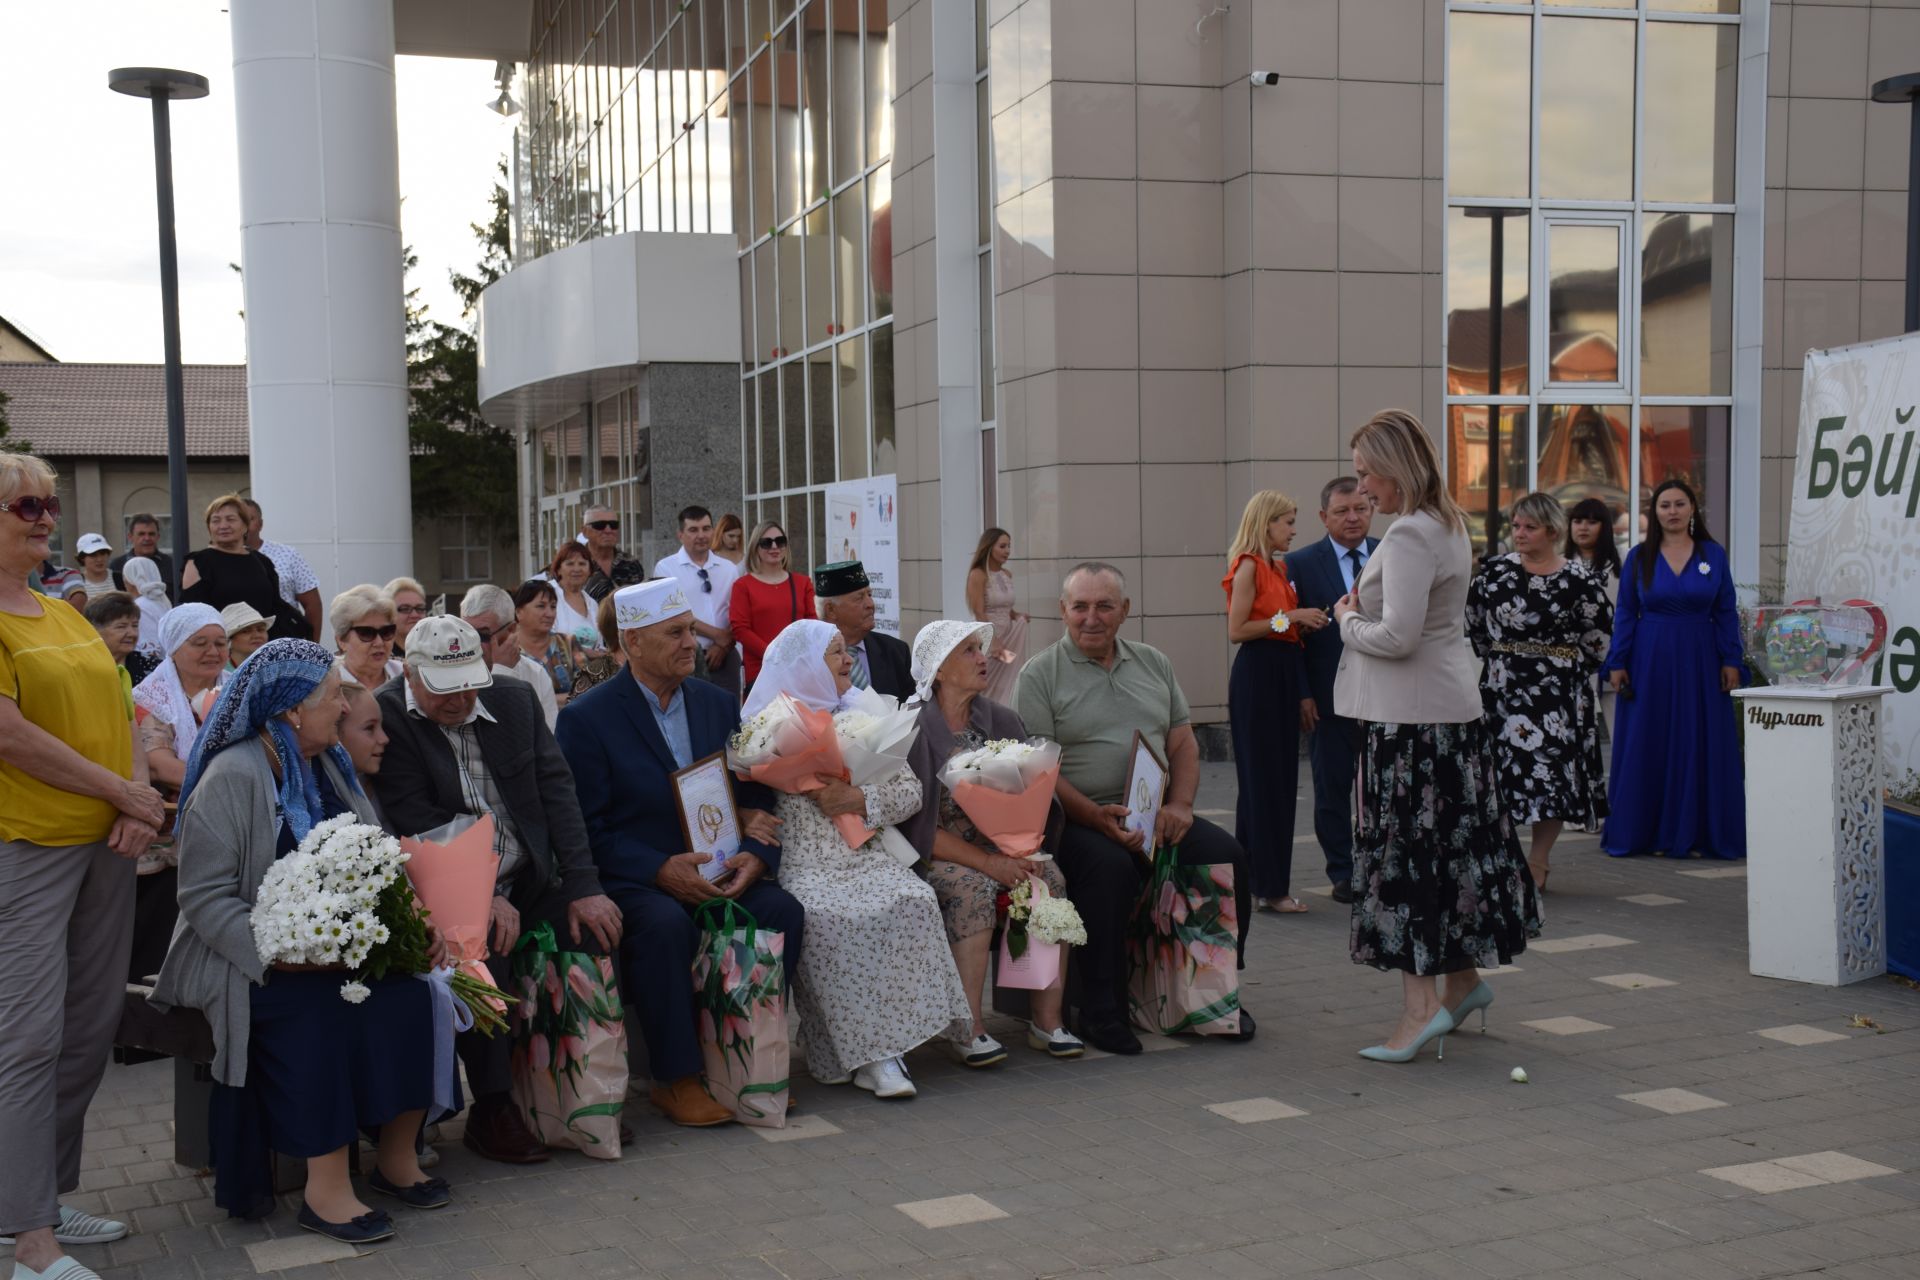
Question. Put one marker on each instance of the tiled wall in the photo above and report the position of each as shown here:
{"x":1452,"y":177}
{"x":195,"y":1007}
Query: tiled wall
{"x":1835,"y":210}
{"x":1201,"y":292}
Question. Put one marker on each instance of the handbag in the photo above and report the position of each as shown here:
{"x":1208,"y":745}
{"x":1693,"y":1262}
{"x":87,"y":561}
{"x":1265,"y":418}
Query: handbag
{"x":570,"y":1045}
{"x":1182,"y":959}
{"x":740,"y":1003}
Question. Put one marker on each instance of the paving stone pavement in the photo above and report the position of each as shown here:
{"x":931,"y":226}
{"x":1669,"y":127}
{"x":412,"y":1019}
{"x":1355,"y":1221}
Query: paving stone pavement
{"x":1667,"y":1137}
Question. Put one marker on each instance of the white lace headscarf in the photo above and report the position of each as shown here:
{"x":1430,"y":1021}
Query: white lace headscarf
{"x":935,"y":643}
{"x":796,"y":665}
{"x":162,"y":693}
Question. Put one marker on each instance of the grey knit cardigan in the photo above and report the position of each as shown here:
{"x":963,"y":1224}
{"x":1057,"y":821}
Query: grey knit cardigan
{"x":228,"y":836}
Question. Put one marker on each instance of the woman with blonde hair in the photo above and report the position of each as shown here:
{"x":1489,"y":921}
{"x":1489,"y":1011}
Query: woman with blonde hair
{"x":990,"y":599}
{"x":1268,"y":703}
{"x":363,"y":624}
{"x":409,"y":606}
{"x":768,"y":598}
{"x":1440,"y":885}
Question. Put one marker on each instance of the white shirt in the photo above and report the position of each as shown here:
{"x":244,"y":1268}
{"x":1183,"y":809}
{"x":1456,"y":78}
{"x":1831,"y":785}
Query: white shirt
{"x":296,"y":575}
{"x":531,"y":672}
{"x":713,"y":607}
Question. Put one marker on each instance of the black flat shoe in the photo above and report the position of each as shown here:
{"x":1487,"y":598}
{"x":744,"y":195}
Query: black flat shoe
{"x":1343,"y":894}
{"x":1110,"y":1036}
{"x":432,"y":1193}
{"x":1246,"y":1028}
{"x":365,"y":1229}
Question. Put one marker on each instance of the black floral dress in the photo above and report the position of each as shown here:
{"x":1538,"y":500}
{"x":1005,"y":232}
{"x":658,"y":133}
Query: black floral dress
{"x":1543,"y":637}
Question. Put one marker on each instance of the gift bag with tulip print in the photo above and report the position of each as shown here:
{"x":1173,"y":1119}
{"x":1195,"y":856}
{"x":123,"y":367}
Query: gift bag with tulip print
{"x":740,"y":1003}
{"x":569,"y":1045}
{"x":1182,"y":967}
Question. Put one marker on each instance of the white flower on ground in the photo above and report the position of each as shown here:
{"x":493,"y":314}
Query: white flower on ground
{"x":354,"y":992}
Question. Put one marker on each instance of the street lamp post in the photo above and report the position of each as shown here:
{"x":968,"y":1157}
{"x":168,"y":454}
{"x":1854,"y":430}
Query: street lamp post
{"x":1907,"y":89}
{"x":162,"y":85}
{"x":1496,"y":340}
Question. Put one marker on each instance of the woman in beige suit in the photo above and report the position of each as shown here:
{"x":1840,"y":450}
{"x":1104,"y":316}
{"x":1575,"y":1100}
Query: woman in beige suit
{"x":1444,"y":887}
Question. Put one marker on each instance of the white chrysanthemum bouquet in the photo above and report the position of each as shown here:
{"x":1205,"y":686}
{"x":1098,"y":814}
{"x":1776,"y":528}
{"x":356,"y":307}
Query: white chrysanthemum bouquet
{"x":1034,"y":914}
{"x":341,"y":900}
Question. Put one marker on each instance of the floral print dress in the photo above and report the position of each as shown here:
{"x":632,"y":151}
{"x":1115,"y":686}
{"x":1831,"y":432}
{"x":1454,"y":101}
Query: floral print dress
{"x":876,"y":977}
{"x":1543,"y":637}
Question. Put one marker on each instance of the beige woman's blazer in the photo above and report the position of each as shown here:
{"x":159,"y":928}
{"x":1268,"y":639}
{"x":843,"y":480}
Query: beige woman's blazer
{"x":1407,"y":660}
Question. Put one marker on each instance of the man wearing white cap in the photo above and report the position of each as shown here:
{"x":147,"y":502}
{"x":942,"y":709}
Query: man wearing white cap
{"x":625,"y":739}
{"x":460,"y":742}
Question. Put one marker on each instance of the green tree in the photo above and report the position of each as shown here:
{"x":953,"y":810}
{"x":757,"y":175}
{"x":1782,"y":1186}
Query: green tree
{"x":462,"y":464}
{"x":6,"y":442}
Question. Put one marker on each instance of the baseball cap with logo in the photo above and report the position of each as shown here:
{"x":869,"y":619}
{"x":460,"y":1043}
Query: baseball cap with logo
{"x":446,"y":652}
{"x":90,"y":543}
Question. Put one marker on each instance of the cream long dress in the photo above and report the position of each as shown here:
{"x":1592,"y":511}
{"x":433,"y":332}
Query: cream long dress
{"x":1009,"y":633}
{"x":876,"y":976}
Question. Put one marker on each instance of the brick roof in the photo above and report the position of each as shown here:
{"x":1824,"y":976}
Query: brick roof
{"x":92,"y":410}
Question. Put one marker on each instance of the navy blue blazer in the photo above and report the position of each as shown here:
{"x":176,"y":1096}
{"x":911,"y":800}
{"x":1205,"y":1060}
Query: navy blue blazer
{"x":1314,"y":571}
{"x":621,"y":766}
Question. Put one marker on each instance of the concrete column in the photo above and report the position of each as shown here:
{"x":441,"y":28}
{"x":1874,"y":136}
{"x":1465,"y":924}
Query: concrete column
{"x":320,"y":247}
{"x":956,"y":288}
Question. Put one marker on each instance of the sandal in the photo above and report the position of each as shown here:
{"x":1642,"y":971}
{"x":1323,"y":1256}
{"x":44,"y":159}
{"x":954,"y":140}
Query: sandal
{"x":1290,"y":906}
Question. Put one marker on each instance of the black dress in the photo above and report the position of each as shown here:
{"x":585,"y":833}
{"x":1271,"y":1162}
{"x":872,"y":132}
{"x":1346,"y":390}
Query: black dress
{"x":250,"y":579}
{"x":1543,"y":638}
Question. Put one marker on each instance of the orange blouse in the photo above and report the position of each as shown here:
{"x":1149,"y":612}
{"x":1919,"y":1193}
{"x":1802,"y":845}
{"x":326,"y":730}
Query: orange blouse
{"x":1272,"y":593}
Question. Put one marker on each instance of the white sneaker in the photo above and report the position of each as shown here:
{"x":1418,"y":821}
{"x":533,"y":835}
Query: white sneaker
{"x":982,"y":1051}
{"x":65,"y":1267}
{"x":83,"y":1228}
{"x":1057,"y":1043}
{"x":886,"y":1079}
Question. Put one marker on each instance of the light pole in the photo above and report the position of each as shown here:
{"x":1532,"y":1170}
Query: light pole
{"x":1907,"y":89}
{"x":1496,"y":340}
{"x":163,"y":85}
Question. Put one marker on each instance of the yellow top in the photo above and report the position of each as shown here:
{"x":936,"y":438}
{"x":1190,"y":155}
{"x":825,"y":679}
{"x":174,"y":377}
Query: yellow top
{"x":58,"y":670}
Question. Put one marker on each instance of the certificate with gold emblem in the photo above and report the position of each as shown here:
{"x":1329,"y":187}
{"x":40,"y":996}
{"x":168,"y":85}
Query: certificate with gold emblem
{"x":1146,"y":789}
{"x":708,"y":822}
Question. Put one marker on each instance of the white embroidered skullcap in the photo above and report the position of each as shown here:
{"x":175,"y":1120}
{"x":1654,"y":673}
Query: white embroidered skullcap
{"x":645,"y":604}
{"x":933,"y":645}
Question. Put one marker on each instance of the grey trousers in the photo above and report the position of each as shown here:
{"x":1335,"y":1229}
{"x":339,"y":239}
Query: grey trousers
{"x":66,"y":930}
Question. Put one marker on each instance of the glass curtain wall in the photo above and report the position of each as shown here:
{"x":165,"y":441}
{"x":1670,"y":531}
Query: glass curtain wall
{"x":772,"y":121}
{"x":1589,"y":241}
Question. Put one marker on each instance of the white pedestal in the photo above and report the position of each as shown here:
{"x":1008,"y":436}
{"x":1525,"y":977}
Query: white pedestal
{"x":1815,"y":863}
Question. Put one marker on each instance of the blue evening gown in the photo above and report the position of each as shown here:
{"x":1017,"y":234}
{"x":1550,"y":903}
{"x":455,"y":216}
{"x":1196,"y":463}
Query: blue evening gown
{"x":1677,"y":784}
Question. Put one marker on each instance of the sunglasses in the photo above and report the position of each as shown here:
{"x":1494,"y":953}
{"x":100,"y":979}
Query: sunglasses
{"x":32,"y":509}
{"x":602,"y":526}
{"x":411,"y":610}
{"x":486,"y":637}
{"x":772,"y":544}
{"x":370,"y":634}
{"x":706,"y":583}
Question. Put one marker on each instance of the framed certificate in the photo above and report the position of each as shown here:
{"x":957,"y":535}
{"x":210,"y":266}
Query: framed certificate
{"x":1146,"y":788}
{"x":703,"y":792}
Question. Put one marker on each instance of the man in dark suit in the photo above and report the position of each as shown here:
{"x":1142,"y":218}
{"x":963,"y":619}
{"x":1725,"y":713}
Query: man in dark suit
{"x":844,"y":597}
{"x":625,"y":739}
{"x":459,"y":743}
{"x":1321,"y":573}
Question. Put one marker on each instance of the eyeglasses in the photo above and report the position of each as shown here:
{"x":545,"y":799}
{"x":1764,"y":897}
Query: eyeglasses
{"x":32,"y":509}
{"x":706,"y":583}
{"x":411,"y":610}
{"x":773,"y":544}
{"x":486,"y":637}
{"x":370,"y":634}
{"x":602,"y":526}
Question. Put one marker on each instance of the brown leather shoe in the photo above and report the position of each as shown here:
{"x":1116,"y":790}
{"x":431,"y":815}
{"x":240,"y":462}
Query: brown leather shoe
{"x":496,"y":1131}
{"x":686,"y":1101}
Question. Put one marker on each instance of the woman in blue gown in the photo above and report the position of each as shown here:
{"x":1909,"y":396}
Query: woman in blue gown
{"x":1677,"y":785}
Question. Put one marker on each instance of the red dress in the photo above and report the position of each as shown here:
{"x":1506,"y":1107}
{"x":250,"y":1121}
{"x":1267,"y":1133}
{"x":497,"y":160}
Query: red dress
{"x":761,"y":610}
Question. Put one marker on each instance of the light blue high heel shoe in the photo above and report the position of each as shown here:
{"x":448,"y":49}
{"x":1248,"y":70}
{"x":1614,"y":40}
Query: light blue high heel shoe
{"x":1479,"y":998}
{"x":1436,"y":1029}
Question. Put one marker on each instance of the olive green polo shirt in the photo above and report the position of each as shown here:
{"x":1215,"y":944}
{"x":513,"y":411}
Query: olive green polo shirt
{"x":1092,"y":711}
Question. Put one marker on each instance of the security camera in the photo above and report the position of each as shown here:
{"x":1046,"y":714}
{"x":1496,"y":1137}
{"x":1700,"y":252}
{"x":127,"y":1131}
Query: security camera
{"x":1261,"y":78}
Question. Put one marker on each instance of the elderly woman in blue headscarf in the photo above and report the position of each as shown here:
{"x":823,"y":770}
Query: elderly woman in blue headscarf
{"x":297,"y":1069}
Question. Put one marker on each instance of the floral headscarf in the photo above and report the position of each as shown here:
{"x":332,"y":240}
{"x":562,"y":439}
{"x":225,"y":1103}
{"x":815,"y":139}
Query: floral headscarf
{"x":796,"y":665}
{"x":279,"y":676}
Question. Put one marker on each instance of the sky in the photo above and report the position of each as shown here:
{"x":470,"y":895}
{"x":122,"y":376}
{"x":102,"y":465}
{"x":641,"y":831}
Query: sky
{"x":79,"y":255}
